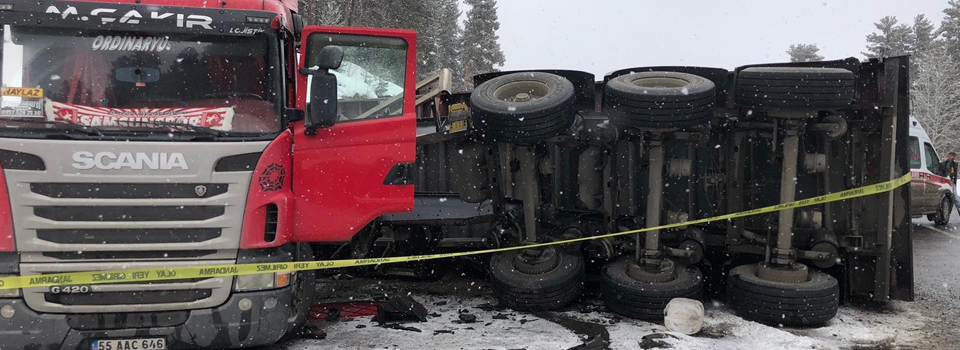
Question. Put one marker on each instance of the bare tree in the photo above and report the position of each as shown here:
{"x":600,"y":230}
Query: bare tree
{"x":935,"y":98}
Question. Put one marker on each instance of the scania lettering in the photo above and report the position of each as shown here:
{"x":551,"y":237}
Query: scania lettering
{"x":125,"y":160}
{"x":139,"y":135}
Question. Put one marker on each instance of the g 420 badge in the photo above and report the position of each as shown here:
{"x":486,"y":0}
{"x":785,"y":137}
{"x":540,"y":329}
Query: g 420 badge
{"x":271,"y":179}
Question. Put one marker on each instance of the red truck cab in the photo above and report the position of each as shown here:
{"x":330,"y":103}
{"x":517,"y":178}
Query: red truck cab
{"x":156,"y":133}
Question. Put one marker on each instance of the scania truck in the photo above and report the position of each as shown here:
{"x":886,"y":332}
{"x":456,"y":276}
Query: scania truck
{"x":157,"y":134}
{"x":161,"y":133}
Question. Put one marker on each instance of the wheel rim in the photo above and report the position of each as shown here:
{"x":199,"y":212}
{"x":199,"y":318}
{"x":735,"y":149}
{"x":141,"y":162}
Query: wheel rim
{"x":660,"y":82}
{"x":521,"y":91}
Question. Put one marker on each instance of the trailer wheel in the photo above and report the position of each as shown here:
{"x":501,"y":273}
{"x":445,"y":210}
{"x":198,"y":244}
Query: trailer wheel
{"x":808,"y":303}
{"x":304,"y":290}
{"x":644,"y":300}
{"x":659,"y":100}
{"x":537,"y":280}
{"x":523,"y":108}
{"x":942,"y":217}
{"x":795,"y":88}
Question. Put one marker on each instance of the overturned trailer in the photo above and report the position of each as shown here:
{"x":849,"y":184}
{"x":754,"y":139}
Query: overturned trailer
{"x":539,"y":156}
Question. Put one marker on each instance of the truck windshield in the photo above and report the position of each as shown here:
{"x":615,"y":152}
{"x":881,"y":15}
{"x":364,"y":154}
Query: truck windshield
{"x":133,"y":81}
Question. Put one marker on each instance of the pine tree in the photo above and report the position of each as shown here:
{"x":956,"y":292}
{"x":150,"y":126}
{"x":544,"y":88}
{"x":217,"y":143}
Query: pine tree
{"x":449,"y":42}
{"x":892,"y":39}
{"x":950,"y":29}
{"x":923,"y":34}
{"x":804,"y":53}
{"x":481,"y":49}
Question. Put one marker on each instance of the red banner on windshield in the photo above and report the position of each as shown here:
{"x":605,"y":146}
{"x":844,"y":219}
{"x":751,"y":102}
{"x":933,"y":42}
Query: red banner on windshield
{"x":216,"y":118}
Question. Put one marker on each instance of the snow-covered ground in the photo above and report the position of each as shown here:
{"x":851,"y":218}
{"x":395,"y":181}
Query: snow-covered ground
{"x":854,"y":328}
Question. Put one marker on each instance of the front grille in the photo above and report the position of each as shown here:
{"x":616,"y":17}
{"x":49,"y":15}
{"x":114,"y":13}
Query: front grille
{"x":127,"y":320}
{"x":129,"y":213}
{"x":129,"y":298}
{"x":68,"y":220}
{"x":128,"y":236}
{"x":127,"y":190}
{"x":129,"y":255}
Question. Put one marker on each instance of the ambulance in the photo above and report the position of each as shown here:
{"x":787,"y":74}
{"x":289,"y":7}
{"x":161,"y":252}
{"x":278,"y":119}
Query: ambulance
{"x":930,"y":188}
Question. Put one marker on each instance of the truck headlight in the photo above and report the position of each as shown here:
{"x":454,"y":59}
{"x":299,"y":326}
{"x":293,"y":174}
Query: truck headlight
{"x":246,"y":283}
{"x":9,"y":293}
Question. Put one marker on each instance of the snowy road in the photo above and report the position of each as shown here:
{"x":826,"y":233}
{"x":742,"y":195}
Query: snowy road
{"x":929,"y":323}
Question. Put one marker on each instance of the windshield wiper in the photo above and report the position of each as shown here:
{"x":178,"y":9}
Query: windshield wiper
{"x":89,"y":130}
{"x":191,"y":127}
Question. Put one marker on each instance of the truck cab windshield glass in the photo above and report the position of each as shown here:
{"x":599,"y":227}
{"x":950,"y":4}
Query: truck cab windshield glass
{"x":120,"y":81}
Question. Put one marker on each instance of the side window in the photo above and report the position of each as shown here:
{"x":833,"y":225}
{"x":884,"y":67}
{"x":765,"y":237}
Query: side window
{"x":370,"y":81}
{"x":933,"y":162}
{"x":914,"y":145}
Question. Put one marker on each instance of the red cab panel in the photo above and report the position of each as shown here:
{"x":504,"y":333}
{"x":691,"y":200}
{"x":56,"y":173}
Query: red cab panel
{"x":343,"y":172}
{"x":7,"y":240}
{"x":270,"y":198}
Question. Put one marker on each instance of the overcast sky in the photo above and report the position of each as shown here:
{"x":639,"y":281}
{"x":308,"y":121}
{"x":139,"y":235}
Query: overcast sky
{"x":600,"y":36}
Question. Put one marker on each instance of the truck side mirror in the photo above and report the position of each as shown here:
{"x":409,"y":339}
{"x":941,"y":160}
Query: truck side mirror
{"x":322,"y":111}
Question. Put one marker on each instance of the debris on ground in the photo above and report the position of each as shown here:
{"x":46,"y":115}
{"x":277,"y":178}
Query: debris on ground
{"x":320,"y":312}
{"x":401,"y":327}
{"x":684,"y":316}
{"x":442,"y":331}
{"x":333,"y":315}
{"x":401,"y":309}
{"x":500,"y":316}
{"x":313,"y":331}
{"x":656,"y":341}
{"x":717,"y":331}
{"x":468,"y":318}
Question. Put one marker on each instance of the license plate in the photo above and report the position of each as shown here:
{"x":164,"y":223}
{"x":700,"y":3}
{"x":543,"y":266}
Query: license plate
{"x":458,"y":126}
{"x":130,"y":344}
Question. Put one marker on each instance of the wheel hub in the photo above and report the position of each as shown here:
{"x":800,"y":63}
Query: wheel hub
{"x":536,"y":261}
{"x":793,"y":273}
{"x":521,"y":91}
{"x":665,"y":271}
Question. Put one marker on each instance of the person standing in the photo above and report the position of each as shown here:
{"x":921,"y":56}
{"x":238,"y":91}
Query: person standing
{"x":950,"y":168}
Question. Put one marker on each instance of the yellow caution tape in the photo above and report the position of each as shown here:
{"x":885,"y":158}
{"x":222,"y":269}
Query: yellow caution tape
{"x":210,"y":271}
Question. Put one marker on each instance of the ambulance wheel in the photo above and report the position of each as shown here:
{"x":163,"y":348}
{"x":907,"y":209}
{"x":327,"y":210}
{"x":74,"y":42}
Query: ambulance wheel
{"x":659,"y":100}
{"x":795,"y":88}
{"x":626,"y":295}
{"x":304,"y":291}
{"x":809,"y":303}
{"x":536,"y":279}
{"x":523,"y":108}
{"x":942,"y":217}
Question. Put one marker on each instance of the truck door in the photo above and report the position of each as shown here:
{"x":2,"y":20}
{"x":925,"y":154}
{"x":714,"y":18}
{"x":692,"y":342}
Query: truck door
{"x":360,"y":168}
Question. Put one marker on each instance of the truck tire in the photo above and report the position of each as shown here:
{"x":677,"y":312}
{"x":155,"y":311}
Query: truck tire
{"x":659,"y":100}
{"x":523,"y":108}
{"x":643,"y":300}
{"x":810,"y":303}
{"x":537,"y":287}
{"x":942,"y":217}
{"x":304,"y":291}
{"x":795,"y":88}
